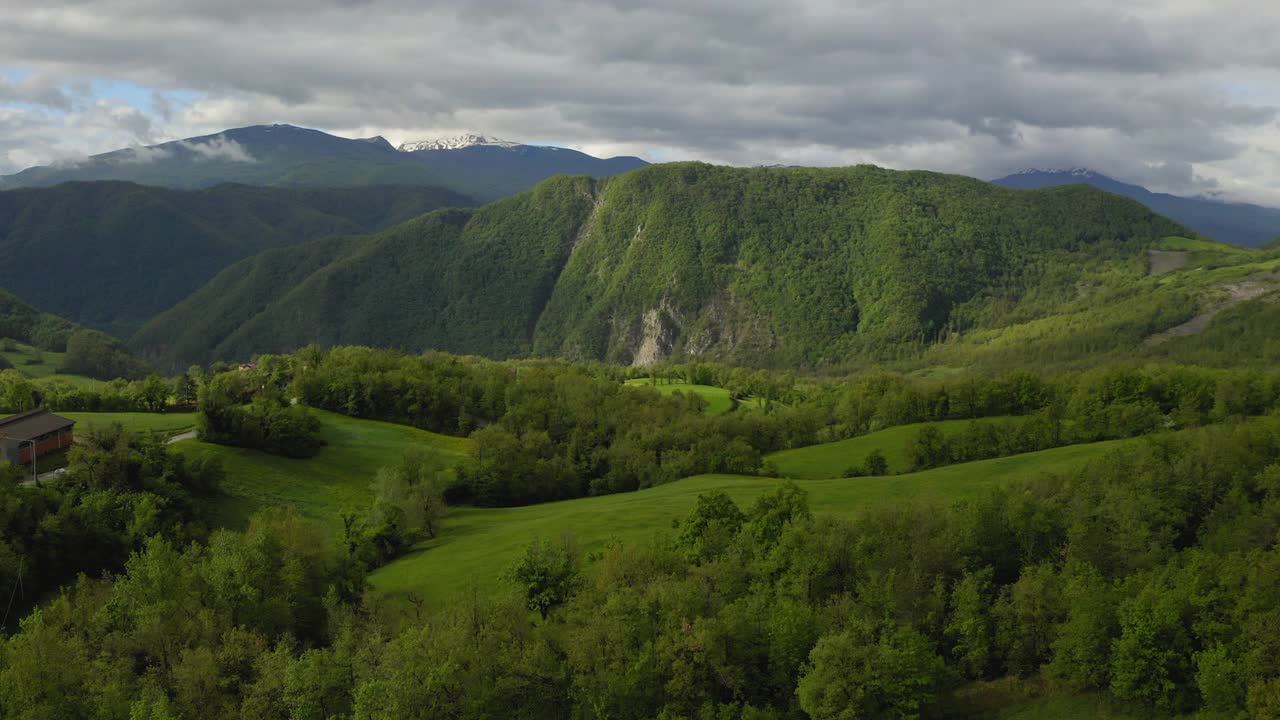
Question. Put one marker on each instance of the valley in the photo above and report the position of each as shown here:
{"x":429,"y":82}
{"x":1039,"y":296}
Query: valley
{"x":673,"y":425}
{"x":639,"y":361}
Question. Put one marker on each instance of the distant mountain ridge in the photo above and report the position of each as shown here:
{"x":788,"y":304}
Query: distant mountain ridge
{"x":289,"y":156}
{"x":112,"y":255}
{"x":1240,"y":224}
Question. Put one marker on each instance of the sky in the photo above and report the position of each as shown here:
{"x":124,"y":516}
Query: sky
{"x":1177,"y":95}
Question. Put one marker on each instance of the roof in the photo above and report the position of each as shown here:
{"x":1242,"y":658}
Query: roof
{"x":32,"y":424}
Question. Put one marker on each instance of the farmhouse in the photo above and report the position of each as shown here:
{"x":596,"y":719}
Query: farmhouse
{"x":35,"y":430}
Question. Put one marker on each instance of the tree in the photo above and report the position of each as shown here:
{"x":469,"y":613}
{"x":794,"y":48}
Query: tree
{"x":414,"y":486}
{"x":710,"y":526}
{"x":854,"y":675}
{"x":773,"y":511}
{"x":927,"y":448}
{"x":969,"y":627}
{"x":154,"y":393}
{"x":876,"y":465}
{"x":547,"y":575}
{"x":1150,"y":661}
{"x":1083,"y":647}
{"x":186,"y":390}
{"x":1027,"y":617}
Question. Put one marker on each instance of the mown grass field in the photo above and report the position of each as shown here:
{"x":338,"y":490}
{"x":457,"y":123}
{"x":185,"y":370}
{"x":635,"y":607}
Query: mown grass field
{"x":478,"y":544}
{"x":830,"y":460}
{"x":322,"y":486}
{"x":718,"y":400}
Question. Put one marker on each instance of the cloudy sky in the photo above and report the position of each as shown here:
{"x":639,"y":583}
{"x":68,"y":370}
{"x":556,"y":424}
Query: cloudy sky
{"x":1178,"y":95}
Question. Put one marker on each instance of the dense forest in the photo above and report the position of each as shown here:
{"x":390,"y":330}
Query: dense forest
{"x":112,"y":255}
{"x":1148,"y":577}
{"x":788,"y":267}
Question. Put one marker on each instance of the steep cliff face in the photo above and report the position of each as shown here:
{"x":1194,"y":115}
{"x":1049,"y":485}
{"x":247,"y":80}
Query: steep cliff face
{"x":776,"y":266}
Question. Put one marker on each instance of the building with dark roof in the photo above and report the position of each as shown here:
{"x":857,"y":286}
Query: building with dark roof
{"x":38,"y":431}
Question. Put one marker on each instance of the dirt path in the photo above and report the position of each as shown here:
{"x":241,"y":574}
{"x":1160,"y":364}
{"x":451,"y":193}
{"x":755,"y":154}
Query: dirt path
{"x":1163,"y":261}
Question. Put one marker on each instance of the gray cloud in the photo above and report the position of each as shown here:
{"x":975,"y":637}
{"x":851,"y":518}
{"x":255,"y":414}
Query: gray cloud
{"x":1178,"y":93}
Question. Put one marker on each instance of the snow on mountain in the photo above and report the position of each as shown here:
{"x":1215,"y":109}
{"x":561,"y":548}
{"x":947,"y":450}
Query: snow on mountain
{"x":1075,"y":171}
{"x":456,"y":143}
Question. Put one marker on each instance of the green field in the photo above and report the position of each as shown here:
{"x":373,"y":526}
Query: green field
{"x":479,"y":543}
{"x":322,"y":486}
{"x":1198,"y":245}
{"x":718,"y":400}
{"x":830,"y":460}
{"x":40,"y":364}
{"x":163,"y":423}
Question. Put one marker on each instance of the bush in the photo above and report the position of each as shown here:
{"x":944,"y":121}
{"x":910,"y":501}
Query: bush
{"x":101,"y":357}
{"x":266,"y":422}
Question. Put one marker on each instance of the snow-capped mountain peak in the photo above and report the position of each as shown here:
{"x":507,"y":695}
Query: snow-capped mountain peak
{"x":1076,"y":171}
{"x":456,"y":143}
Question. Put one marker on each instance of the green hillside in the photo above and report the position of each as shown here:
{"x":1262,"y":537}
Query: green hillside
{"x":478,"y":544}
{"x":718,"y":399}
{"x":322,"y":486}
{"x":40,"y":344}
{"x":830,"y":460}
{"x":167,"y":424}
{"x":112,"y":255}
{"x":766,"y":266}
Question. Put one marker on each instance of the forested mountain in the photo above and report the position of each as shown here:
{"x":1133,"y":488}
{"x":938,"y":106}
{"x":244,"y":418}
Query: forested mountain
{"x":288,"y":156}
{"x":19,"y":321}
{"x":112,"y":255}
{"x":1235,"y":223}
{"x":86,"y":352}
{"x":766,"y":266}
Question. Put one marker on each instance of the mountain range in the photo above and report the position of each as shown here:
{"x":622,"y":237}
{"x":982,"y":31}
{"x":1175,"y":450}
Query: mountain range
{"x":1234,"y":223}
{"x":288,"y":156}
{"x":763,"y":266}
{"x":603,"y":259}
{"x":111,"y":255}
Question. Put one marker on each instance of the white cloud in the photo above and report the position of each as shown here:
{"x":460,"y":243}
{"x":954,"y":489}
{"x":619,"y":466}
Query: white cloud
{"x":141,"y":155}
{"x":219,"y":148}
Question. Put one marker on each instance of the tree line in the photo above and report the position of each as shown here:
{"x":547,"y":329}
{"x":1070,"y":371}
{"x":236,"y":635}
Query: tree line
{"x":552,"y":430}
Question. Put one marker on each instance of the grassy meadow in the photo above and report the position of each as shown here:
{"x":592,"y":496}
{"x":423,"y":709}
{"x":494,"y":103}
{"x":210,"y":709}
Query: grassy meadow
{"x":163,"y":423}
{"x":830,"y":460}
{"x":322,"y":486}
{"x":40,"y":364}
{"x":479,"y":543}
{"x":718,"y":400}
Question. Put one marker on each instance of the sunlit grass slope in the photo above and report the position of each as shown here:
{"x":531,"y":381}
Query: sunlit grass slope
{"x":478,"y":544}
{"x":322,"y":486}
{"x":164,"y":423}
{"x":40,"y":364}
{"x":718,"y":400}
{"x":830,"y":460}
